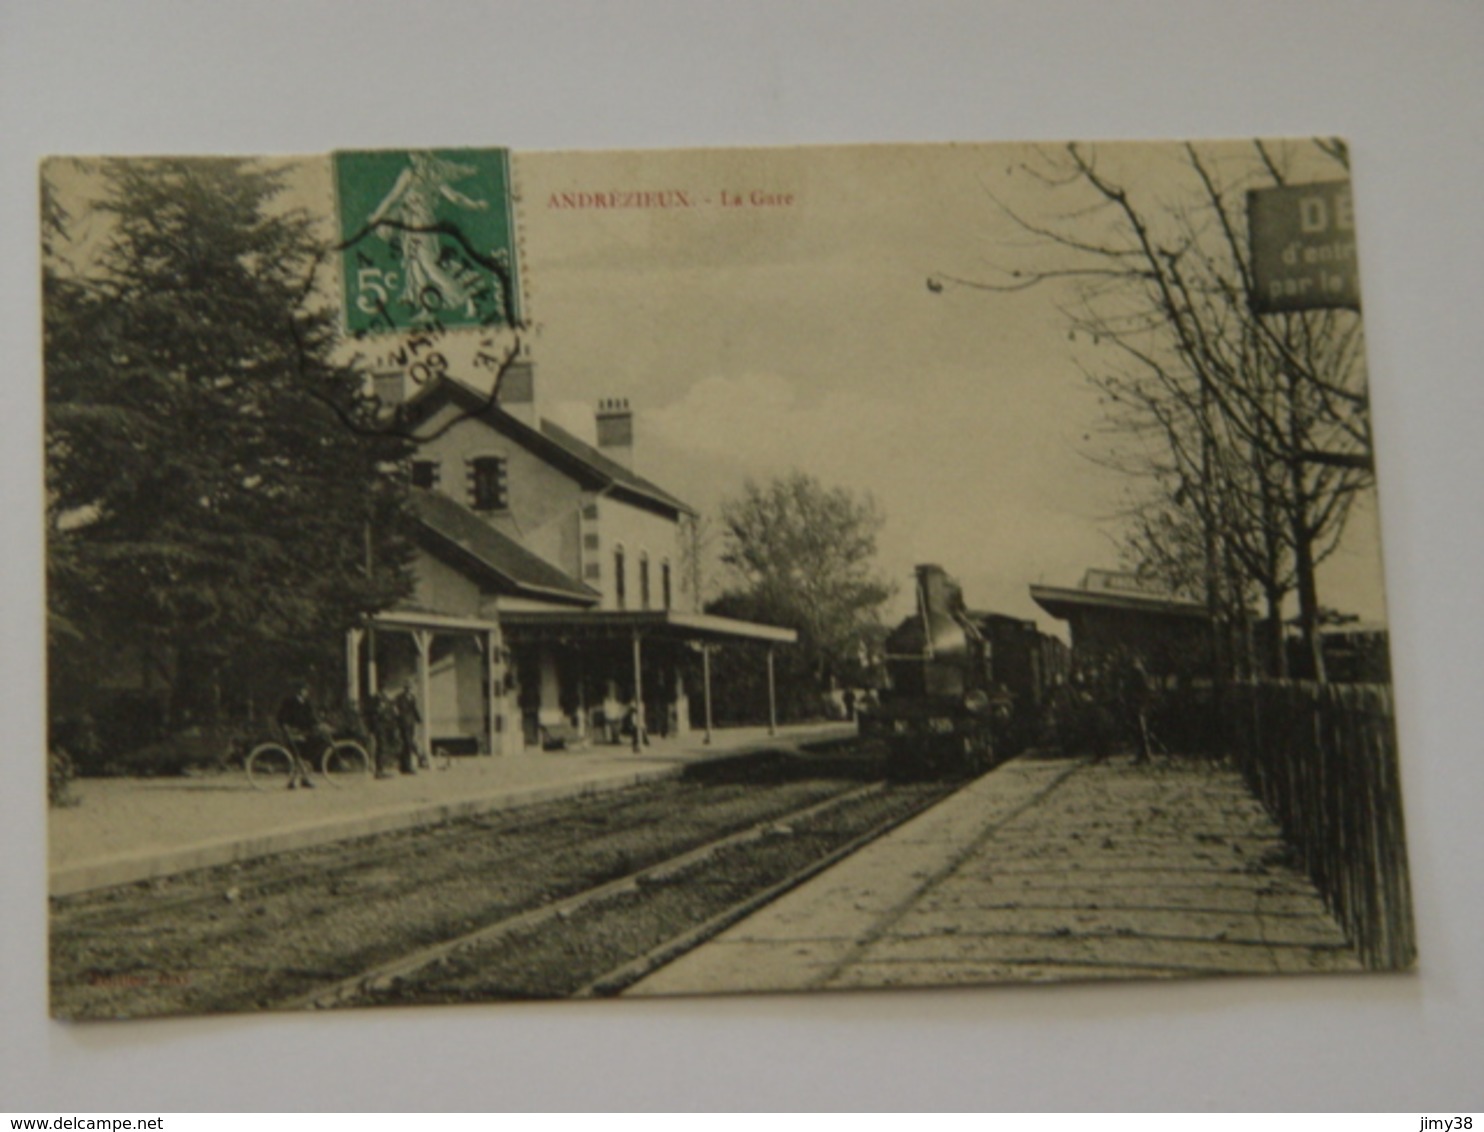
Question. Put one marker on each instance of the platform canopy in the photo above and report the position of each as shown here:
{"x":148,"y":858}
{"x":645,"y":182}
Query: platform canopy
{"x":652,"y":624}
{"x":408,"y":618}
{"x":667,"y":626}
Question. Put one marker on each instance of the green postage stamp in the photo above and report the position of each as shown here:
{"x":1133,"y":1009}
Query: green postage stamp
{"x":428,"y":237}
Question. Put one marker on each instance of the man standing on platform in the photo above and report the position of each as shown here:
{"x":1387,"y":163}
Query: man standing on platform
{"x":408,"y":717}
{"x":1137,"y":696}
{"x":302,"y":731}
{"x":386,"y":729}
{"x":634,"y":724}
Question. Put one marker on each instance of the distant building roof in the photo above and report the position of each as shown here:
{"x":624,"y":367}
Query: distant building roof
{"x":1353,"y":628}
{"x":1125,"y":582}
{"x":550,"y":441}
{"x":1062,"y":602}
{"x":478,"y":545}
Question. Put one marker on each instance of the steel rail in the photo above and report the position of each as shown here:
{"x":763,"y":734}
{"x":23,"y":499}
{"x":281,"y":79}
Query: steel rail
{"x":350,"y":857}
{"x":383,"y":976}
{"x":620,"y":978}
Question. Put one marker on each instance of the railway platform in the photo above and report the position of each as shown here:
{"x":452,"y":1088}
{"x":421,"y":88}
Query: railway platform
{"x":124,"y":830}
{"x":1044,"y":869}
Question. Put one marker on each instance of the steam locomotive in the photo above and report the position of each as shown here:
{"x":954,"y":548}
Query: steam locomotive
{"x":964,"y":690}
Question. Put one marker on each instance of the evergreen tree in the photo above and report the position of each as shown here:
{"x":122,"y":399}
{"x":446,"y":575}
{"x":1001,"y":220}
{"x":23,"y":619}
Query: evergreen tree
{"x":209,"y":498}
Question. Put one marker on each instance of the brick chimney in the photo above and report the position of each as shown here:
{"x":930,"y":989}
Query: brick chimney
{"x":616,"y":430}
{"x":389,"y":386}
{"x":518,"y":392}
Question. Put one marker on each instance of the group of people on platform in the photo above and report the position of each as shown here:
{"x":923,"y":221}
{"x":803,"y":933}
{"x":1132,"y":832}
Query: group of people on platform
{"x":852,"y":703}
{"x":617,"y":721}
{"x":1106,"y":703}
{"x":391,"y":721}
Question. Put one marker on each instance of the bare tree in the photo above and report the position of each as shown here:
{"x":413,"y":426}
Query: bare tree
{"x":1252,"y":430}
{"x":699,"y":540}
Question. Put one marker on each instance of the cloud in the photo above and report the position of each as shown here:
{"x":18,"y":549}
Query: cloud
{"x":577,"y":417}
{"x":759,"y":420}
{"x":960,"y":482}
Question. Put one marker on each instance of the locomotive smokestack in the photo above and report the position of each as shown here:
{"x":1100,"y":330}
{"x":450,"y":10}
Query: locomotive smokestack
{"x":941,"y":603}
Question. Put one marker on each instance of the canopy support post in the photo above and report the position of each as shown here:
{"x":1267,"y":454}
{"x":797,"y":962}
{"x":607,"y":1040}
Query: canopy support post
{"x":772,"y":697}
{"x":706,"y":676}
{"x":494,"y":692}
{"x":373,"y":683}
{"x":423,"y":639}
{"x":353,"y":667}
{"x":638,"y":695}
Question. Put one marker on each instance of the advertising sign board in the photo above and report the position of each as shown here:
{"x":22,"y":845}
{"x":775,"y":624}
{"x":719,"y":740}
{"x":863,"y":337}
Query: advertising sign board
{"x":1303,"y":247}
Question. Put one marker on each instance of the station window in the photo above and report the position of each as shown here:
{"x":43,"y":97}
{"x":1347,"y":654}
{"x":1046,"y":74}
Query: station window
{"x":643,"y":580}
{"x":665,"y":593}
{"x":425,"y":474}
{"x":489,"y":486}
{"x":619,"y":582}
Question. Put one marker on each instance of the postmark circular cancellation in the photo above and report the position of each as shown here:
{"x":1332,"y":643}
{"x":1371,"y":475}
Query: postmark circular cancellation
{"x":429,"y":261}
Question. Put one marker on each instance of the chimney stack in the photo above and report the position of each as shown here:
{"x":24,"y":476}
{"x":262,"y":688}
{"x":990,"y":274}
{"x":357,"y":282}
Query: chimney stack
{"x":389,"y":387}
{"x":518,"y":391}
{"x":616,"y":430}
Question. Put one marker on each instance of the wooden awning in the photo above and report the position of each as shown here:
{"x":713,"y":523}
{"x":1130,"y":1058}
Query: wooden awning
{"x":622,"y":624}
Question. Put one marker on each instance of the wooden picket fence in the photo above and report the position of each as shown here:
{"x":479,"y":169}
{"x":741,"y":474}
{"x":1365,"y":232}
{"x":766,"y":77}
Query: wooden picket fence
{"x":1322,"y":758}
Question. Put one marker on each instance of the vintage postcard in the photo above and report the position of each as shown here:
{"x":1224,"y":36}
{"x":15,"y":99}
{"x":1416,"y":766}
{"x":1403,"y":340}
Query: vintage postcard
{"x":479,"y":575}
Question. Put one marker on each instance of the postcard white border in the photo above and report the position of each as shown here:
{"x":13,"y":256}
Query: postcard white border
{"x":1403,"y":85}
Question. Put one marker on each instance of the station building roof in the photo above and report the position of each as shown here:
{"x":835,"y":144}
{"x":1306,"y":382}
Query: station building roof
{"x":454,"y":531}
{"x":1114,"y":591}
{"x":588,"y":624}
{"x":550,"y":442}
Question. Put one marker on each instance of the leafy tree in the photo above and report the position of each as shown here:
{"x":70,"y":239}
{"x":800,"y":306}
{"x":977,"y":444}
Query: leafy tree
{"x":206,"y":502}
{"x":801,"y":555}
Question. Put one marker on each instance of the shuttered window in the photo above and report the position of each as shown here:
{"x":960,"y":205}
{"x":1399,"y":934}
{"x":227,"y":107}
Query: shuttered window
{"x":488,"y":485}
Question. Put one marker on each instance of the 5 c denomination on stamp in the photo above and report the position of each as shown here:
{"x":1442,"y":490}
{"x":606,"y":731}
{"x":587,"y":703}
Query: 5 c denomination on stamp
{"x":427,"y":238}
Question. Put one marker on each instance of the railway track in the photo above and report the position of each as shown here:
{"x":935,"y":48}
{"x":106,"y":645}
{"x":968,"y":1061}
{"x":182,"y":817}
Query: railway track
{"x":568,"y":948}
{"x":100,"y":911}
{"x":395,"y":918}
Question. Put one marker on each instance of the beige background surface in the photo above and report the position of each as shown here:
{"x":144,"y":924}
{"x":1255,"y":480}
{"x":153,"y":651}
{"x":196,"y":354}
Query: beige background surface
{"x":1405,"y":87}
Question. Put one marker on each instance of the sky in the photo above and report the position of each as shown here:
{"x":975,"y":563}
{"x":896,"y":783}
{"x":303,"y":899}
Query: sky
{"x":755,"y":339}
{"x":780,"y":317}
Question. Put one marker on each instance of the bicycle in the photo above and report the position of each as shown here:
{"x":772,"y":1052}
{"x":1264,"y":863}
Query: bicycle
{"x":273,"y":765}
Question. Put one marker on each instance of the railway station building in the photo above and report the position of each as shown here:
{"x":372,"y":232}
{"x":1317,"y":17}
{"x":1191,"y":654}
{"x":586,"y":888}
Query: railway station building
{"x":548,"y":606}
